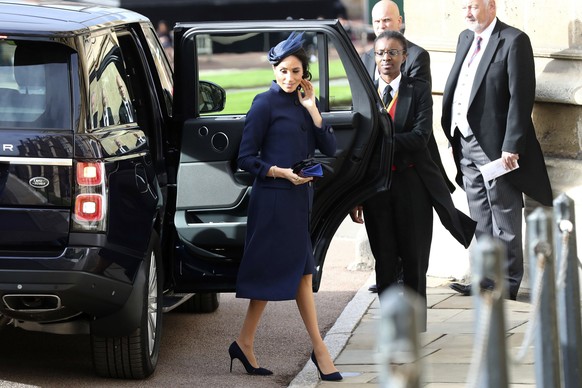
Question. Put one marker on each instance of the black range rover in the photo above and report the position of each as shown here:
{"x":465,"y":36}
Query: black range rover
{"x":120,"y":197}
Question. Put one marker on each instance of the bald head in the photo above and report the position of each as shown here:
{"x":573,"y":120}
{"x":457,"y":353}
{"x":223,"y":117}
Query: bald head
{"x":386,"y":17}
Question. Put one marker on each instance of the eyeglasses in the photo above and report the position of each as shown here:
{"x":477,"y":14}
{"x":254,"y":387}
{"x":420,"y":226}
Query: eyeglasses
{"x":392,"y":52}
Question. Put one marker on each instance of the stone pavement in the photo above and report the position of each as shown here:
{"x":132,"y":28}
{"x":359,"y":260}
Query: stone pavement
{"x":446,"y":346}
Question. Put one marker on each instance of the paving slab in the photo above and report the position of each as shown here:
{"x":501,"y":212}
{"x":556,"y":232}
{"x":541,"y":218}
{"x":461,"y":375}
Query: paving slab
{"x":446,"y":347}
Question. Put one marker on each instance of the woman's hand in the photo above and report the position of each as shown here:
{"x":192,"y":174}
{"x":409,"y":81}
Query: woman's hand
{"x":306,"y":95}
{"x":287,"y":173}
{"x":299,"y":180}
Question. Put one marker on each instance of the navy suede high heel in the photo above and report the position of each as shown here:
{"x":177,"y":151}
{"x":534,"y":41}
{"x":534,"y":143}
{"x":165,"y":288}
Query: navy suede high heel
{"x":236,"y":352}
{"x":335,"y":376}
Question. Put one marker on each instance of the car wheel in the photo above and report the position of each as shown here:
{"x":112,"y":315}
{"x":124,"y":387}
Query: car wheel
{"x":135,"y":356}
{"x":201,"y":303}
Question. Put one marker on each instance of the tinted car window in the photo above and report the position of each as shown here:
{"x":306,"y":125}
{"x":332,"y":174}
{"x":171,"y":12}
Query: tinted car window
{"x":162,"y":66}
{"x":35,"y":89}
{"x":110,"y":98}
{"x":246,"y":71}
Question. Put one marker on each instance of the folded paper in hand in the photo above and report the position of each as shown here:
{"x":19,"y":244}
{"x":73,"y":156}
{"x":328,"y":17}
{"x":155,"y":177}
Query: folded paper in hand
{"x":494,"y":169}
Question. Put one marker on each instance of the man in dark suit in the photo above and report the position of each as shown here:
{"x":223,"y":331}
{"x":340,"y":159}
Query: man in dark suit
{"x":399,"y":220}
{"x":94,"y":111}
{"x":107,"y":117}
{"x":126,"y":111}
{"x":386,"y":17}
{"x":487,"y":106}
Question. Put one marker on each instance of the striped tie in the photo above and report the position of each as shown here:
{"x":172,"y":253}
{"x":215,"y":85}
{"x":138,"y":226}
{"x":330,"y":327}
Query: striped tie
{"x":477,"y":49}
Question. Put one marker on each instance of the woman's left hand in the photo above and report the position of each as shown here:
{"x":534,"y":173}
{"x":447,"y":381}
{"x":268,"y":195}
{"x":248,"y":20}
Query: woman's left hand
{"x":306,"y":95}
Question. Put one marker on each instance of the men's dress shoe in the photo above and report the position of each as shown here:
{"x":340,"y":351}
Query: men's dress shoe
{"x":373,"y":288}
{"x":463,"y":289}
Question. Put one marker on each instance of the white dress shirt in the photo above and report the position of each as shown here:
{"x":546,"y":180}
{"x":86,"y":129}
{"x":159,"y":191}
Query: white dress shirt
{"x":395,"y":84}
{"x":465,"y":83}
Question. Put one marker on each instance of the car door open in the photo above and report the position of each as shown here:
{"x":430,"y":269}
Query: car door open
{"x":212,"y":193}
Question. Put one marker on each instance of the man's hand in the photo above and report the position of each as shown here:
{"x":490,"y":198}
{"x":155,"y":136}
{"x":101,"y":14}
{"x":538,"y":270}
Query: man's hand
{"x":357,"y":214}
{"x":509,"y":160}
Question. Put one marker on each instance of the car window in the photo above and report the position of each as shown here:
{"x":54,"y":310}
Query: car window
{"x":109,"y":96}
{"x":340,"y":94}
{"x":238,"y":63}
{"x":35,"y":87}
{"x":162,"y":66}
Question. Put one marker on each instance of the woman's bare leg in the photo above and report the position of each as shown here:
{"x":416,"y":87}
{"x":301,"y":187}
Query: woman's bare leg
{"x":306,"y":305}
{"x":246,"y":337}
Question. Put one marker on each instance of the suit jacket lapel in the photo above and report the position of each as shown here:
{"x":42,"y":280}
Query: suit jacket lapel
{"x":403,"y":103}
{"x":465,"y":42}
{"x":486,"y":60}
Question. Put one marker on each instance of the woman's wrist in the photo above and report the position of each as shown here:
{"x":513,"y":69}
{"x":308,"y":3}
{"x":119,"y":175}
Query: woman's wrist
{"x":273,"y":172}
{"x":317,"y":118}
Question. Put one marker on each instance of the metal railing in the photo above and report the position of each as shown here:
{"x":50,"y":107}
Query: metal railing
{"x":554,"y":327}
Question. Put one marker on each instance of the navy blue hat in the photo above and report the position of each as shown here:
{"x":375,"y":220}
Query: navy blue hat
{"x":285,"y":48}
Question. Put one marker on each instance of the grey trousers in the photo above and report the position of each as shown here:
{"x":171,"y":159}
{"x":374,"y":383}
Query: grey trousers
{"x":496,"y":206}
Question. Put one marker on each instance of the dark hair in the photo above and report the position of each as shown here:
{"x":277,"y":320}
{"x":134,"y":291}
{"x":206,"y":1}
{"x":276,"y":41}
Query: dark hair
{"x":393,"y":35}
{"x":301,"y":54}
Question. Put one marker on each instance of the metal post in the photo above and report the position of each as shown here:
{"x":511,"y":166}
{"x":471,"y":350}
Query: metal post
{"x":399,"y":349}
{"x":539,"y":252}
{"x":568,"y":291}
{"x":489,"y":363}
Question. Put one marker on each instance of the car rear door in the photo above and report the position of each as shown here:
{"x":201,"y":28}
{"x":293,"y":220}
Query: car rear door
{"x":36,"y":146}
{"x":212,"y":193}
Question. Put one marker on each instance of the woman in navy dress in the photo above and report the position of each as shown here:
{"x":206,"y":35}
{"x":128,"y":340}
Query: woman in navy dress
{"x":282,"y":127}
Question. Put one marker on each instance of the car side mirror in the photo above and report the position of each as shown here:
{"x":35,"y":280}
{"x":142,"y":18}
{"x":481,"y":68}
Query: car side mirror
{"x":211,"y":97}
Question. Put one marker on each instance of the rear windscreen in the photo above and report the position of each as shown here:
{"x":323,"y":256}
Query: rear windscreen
{"x":35,"y":90}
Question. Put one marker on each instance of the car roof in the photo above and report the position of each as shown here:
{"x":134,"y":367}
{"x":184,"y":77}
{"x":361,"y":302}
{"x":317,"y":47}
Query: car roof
{"x":60,"y":17}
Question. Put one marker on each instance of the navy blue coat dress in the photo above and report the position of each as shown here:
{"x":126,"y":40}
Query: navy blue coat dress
{"x":278,"y":252}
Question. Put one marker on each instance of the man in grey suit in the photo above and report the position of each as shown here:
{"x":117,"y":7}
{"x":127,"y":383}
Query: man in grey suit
{"x":487,"y":106}
{"x":386,"y":17}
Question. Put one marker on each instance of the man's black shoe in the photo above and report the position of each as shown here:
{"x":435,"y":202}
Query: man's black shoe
{"x":463,"y":289}
{"x":373,"y":288}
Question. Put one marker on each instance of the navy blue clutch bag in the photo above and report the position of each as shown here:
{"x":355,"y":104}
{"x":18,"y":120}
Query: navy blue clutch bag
{"x":309,"y":168}
{"x":315,"y":171}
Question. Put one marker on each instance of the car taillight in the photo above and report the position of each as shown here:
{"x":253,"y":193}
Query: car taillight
{"x":89,"y":174}
{"x":89,"y":207}
{"x":90,"y":197}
